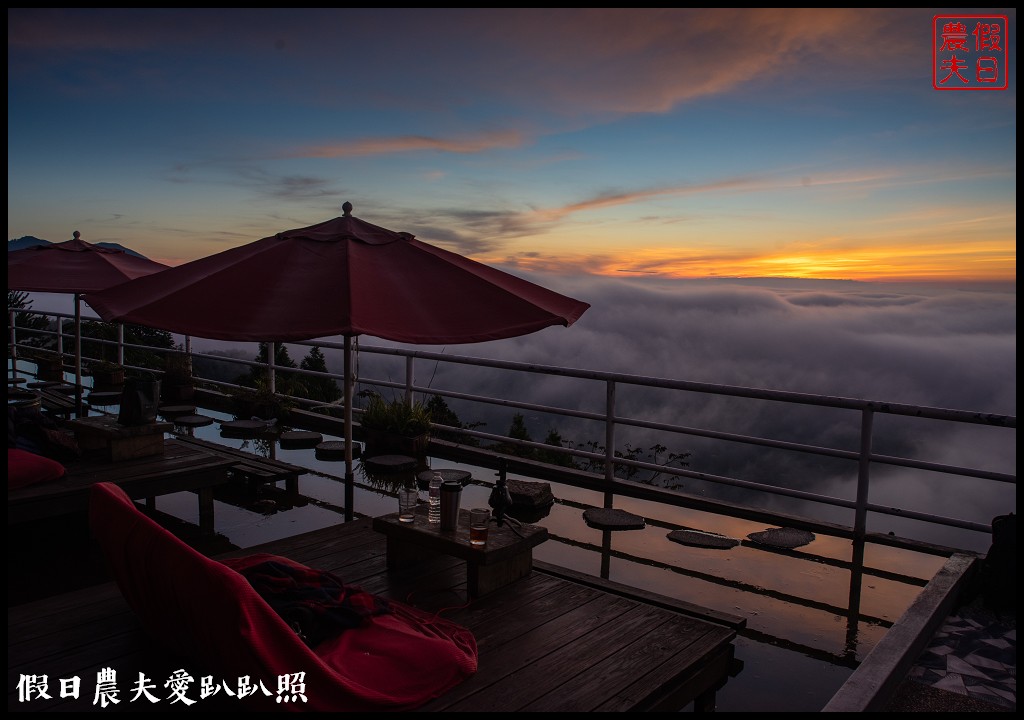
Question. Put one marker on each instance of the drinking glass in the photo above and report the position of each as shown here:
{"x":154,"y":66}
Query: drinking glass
{"x":407,"y":498}
{"x":478,"y":519}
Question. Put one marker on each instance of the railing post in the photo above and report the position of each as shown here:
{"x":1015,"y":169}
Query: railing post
{"x":863,"y":475}
{"x":409,"y":379}
{"x":188,"y":354}
{"x":120,"y":344}
{"x":609,"y":442}
{"x":14,"y":343}
{"x":60,"y":341}
{"x":79,"y":408}
{"x":271,"y":373}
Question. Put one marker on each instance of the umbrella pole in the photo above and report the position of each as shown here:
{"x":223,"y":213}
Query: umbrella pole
{"x":349,"y":477}
{"x":78,"y":355}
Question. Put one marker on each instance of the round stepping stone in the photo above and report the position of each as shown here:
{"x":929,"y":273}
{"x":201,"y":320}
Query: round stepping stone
{"x":335,"y":450}
{"x":193,"y":420}
{"x":782,"y":537}
{"x":387,"y":464}
{"x":173,"y":411}
{"x":423,"y":478}
{"x":697,"y":538}
{"x":610,"y":519}
{"x":297,"y":439}
{"x":23,"y":398}
{"x":244,"y":428}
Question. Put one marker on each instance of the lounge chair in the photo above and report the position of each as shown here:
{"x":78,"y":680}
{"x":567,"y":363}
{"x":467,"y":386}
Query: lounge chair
{"x":207,"y":612}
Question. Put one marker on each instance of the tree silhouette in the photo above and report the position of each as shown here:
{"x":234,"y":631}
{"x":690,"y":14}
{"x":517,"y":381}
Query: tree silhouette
{"x":441,"y":414}
{"x":322,"y":389}
{"x":554,"y":439}
{"x":257,"y":375}
{"x":518,"y":431}
{"x":93,"y":331}
{"x":18,"y":300}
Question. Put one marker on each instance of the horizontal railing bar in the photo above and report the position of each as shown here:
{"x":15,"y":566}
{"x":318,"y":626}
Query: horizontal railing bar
{"x":606,"y":458}
{"x":715,"y":389}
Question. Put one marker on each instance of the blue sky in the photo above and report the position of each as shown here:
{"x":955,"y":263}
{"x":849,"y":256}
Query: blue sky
{"x":679,"y":143}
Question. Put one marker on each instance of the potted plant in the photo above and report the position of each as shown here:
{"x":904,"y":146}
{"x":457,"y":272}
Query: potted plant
{"x":398,"y":426}
{"x":260,"y":402}
{"x":177,"y":384}
{"x":106,"y":375}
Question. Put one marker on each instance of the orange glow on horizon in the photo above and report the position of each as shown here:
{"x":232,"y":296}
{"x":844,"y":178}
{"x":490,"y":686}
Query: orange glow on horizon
{"x":979,"y":262}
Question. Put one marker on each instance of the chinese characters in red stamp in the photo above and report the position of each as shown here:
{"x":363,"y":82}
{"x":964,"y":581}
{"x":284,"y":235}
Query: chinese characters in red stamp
{"x":969,"y":52}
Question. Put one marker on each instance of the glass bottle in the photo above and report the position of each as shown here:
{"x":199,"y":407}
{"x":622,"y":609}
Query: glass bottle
{"x":434,"y":499}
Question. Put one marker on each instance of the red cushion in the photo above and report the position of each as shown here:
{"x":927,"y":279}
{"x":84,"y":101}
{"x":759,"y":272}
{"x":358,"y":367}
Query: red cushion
{"x":208,"y":612}
{"x":26,"y":468}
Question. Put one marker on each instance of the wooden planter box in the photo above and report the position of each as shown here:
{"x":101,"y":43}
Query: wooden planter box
{"x":379,"y":442}
{"x":49,"y":369}
{"x":176,"y":393}
{"x":117,"y":442}
{"x":108,"y":378}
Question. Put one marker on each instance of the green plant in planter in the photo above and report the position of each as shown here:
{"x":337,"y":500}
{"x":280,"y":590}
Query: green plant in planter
{"x":398,"y":416}
{"x":395,"y":426}
{"x":260,"y":402}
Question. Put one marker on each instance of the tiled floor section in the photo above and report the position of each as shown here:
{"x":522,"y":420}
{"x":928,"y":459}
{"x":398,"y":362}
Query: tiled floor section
{"x":973,"y":654}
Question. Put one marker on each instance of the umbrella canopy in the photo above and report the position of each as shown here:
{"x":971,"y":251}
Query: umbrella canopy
{"x":340,"y":277}
{"x":76,"y":267}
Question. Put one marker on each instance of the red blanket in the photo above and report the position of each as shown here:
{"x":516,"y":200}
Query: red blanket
{"x":316,"y":604}
{"x":207,"y":612}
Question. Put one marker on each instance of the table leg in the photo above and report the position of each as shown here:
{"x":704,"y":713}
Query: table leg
{"x":206,"y":525}
{"x":482,"y":579}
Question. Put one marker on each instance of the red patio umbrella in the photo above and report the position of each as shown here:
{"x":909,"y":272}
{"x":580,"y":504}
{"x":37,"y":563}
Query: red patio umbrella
{"x":76,"y":267}
{"x":340,"y":277}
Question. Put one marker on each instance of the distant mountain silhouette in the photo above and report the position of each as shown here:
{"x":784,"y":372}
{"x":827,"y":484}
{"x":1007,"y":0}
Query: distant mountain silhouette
{"x":30,"y":241}
{"x":24,"y":242}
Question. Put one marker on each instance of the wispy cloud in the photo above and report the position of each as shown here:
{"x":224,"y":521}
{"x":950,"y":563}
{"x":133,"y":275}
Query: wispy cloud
{"x":623,"y":61}
{"x":860,"y":178}
{"x":415,"y":143}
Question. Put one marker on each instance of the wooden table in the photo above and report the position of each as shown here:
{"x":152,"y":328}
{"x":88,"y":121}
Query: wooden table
{"x":180,"y":467}
{"x":507,"y":556}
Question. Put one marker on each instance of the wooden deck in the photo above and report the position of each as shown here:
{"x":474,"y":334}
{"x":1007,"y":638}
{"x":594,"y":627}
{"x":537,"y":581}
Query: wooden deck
{"x":547,"y":642}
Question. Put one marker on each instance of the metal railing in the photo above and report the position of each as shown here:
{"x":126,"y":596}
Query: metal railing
{"x":613,"y":465}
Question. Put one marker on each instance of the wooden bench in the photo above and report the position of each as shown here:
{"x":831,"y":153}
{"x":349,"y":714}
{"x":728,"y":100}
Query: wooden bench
{"x":56,"y":402}
{"x":251,"y":468}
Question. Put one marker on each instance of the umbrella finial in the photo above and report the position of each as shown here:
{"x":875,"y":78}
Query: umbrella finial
{"x":76,"y":235}
{"x":347,"y":209}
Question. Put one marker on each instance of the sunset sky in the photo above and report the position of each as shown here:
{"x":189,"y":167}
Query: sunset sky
{"x":676,"y":143}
